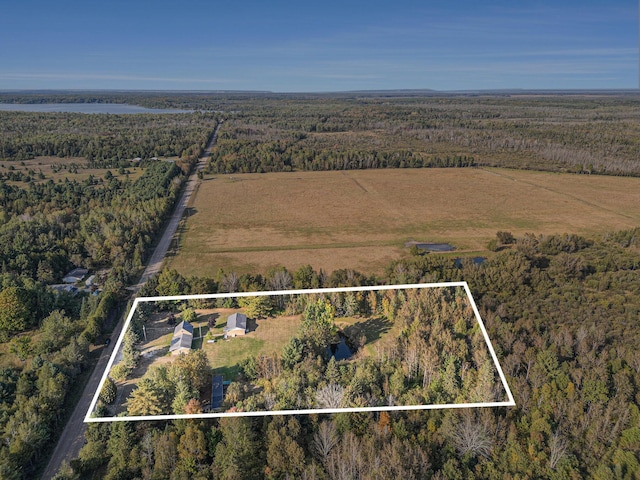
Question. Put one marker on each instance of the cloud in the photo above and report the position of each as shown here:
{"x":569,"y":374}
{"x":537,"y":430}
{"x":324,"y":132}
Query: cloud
{"x":100,"y":76}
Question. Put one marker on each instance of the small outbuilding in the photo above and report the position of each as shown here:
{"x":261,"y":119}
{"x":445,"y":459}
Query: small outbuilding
{"x":64,"y":287}
{"x":236,"y":325}
{"x":217,"y":391}
{"x":182,"y":338}
{"x":75,"y":275}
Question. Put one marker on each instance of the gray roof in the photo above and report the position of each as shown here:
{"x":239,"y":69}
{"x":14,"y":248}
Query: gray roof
{"x":236,"y":320}
{"x":183,"y":325}
{"x":182,"y":336}
{"x":75,"y":275}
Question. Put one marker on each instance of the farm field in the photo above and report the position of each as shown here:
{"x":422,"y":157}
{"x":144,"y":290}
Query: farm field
{"x":361,"y":219}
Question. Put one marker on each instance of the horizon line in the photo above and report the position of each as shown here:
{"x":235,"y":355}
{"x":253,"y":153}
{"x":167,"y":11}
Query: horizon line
{"x":430,"y":91}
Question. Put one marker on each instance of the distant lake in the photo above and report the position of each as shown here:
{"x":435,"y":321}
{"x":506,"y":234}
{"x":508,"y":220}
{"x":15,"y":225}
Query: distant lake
{"x":114,"y":108}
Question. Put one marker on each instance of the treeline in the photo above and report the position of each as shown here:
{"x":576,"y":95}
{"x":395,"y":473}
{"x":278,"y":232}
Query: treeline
{"x":561,"y":312}
{"x":281,"y":156}
{"x":580,"y":135}
{"x":106,"y":141}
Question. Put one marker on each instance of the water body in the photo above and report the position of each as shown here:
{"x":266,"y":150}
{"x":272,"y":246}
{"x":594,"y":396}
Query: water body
{"x":339,"y":350}
{"x":476,"y":260}
{"x":436,"y":247}
{"x":113,"y":108}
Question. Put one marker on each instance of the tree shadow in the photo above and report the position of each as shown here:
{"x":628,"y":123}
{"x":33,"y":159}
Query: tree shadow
{"x":211,"y":318}
{"x":371,"y":328}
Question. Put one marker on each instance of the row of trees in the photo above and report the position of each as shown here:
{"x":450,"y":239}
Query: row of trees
{"x":231,"y":155}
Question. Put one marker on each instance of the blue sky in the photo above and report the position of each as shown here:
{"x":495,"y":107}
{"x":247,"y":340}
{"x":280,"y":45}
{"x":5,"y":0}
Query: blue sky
{"x":303,"y":46}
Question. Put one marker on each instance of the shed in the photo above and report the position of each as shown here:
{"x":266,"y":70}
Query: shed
{"x":217,"y":392}
{"x":236,"y":325}
{"x":75,"y":275}
{"x":182,"y":338}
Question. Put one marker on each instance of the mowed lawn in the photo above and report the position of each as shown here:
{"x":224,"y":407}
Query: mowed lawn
{"x":361,"y":219}
{"x":270,"y":335}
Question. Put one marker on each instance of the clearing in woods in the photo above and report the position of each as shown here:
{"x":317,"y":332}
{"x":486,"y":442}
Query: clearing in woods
{"x":58,"y":169}
{"x":361,"y":219}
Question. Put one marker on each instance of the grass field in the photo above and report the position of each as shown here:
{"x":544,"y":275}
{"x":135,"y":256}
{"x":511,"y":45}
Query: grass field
{"x":270,"y":335}
{"x":57,"y":169}
{"x":361,"y":219}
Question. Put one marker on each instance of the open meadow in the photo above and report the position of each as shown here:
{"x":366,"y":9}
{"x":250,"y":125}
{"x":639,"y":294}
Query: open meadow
{"x":43,"y":169}
{"x":361,"y":219}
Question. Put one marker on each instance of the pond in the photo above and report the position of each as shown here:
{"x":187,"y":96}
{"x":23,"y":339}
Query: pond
{"x":113,"y":108}
{"x":436,"y":247}
{"x":341,"y":350}
{"x":476,"y":260}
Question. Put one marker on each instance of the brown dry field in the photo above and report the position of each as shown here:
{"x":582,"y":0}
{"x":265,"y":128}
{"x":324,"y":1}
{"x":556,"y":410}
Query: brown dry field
{"x":361,"y":219}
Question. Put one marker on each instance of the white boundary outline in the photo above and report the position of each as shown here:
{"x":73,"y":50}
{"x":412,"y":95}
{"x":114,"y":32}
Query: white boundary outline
{"x":509,"y":403}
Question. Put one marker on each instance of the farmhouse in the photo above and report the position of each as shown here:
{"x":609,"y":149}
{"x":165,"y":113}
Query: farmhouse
{"x":182,"y":338}
{"x":236,"y":325}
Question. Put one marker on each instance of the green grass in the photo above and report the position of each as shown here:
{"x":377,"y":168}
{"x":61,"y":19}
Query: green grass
{"x":229,"y":373}
{"x":227,"y":353}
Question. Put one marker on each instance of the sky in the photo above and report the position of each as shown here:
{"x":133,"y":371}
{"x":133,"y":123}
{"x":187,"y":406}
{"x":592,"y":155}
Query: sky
{"x":312,"y":46}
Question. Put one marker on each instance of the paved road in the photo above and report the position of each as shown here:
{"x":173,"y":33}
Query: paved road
{"x":72,"y":438}
{"x":155,"y":262}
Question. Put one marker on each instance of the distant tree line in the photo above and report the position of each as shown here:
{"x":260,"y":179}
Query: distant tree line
{"x":106,"y":141}
{"x":326,"y":133}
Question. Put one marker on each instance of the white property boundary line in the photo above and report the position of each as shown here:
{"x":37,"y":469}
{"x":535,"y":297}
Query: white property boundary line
{"x":509,"y":403}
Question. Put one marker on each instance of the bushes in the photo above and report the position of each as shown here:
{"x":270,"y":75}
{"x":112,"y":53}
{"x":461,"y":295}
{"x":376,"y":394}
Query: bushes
{"x":96,"y":320}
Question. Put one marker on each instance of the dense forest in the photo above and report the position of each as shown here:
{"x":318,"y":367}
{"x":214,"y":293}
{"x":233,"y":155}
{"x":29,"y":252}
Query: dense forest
{"x":103,"y":222}
{"x":45,"y":337}
{"x":106,"y":141}
{"x":598,"y":135}
{"x":562,"y":313}
{"x":49,"y":227}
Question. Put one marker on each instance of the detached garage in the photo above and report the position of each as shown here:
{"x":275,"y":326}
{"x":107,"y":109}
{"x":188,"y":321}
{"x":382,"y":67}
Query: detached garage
{"x":182,"y":338}
{"x":236,"y":325}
